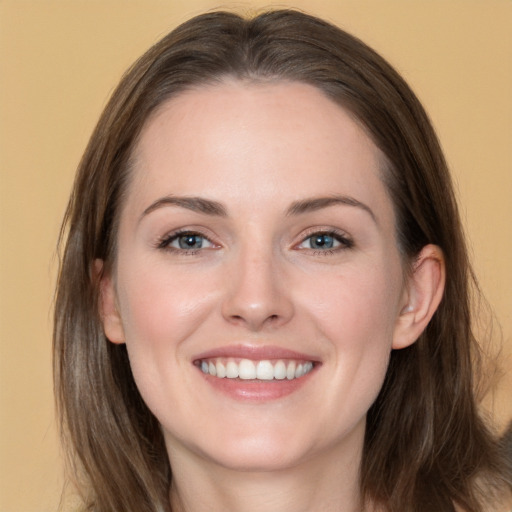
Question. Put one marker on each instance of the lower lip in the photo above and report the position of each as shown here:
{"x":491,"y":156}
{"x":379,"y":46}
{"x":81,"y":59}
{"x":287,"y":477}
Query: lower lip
{"x":257,"y":390}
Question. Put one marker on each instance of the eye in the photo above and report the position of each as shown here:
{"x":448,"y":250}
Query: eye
{"x":189,"y":241}
{"x":185,"y":241}
{"x":326,"y":242}
{"x":321,"y":241}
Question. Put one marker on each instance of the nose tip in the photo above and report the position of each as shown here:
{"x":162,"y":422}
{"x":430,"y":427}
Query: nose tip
{"x":256,"y":316}
{"x":252,"y":323}
{"x":258,"y":297}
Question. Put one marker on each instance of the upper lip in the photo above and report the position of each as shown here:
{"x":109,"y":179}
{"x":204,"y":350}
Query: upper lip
{"x":256,"y":353}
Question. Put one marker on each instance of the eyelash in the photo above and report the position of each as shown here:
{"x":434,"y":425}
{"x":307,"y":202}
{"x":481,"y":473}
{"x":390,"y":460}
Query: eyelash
{"x":166,"y":241}
{"x":345,"y":242}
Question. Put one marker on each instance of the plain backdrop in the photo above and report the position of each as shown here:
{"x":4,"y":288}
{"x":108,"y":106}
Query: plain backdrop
{"x":60,"y":60}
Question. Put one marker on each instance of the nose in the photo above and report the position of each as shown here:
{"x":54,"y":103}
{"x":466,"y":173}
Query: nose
{"x":257,"y":295}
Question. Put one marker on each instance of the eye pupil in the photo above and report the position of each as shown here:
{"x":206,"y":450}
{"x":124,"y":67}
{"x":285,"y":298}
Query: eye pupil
{"x":190,"y":241}
{"x":322,"y":242}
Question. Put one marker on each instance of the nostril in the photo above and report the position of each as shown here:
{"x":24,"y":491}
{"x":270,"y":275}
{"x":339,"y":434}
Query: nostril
{"x":256,"y":306}
{"x":256,"y":320}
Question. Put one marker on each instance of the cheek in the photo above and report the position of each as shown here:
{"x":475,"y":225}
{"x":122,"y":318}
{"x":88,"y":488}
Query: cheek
{"x":159,"y":306}
{"x":161,"y":311}
{"x":357,"y":306}
{"x":355,"y":315}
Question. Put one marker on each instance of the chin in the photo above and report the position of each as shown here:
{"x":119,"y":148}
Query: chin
{"x":258,"y":457}
{"x":274,"y":449}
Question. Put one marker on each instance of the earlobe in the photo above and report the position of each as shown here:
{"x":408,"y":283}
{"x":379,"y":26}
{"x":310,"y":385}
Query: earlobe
{"x":109,"y":314}
{"x":424,"y":292}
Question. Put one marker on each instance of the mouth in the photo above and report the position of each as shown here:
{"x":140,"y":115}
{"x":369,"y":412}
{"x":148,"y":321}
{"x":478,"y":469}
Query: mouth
{"x":252,"y":374}
{"x":255,"y":370}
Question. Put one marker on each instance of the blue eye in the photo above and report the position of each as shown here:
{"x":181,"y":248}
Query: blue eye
{"x":185,"y":242}
{"x":326,"y":242}
{"x":188,"y":241}
{"x":321,"y":241}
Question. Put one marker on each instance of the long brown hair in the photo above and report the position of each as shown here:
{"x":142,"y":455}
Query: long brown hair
{"x":426,"y":447}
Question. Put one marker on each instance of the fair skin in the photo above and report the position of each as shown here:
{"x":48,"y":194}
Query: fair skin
{"x":257,"y":231}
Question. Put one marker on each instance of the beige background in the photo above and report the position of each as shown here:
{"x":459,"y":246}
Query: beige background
{"x":59,"y":62}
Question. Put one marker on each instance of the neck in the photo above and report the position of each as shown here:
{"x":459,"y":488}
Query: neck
{"x":327,"y":483}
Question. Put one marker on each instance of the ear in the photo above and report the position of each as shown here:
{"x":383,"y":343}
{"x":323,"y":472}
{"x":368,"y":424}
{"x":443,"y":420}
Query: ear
{"x":423,"y":294}
{"x":109,"y":314}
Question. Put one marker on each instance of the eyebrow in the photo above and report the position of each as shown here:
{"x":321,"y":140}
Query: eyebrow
{"x":196,"y":204}
{"x":210,"y":207}
{"x":317,"y":203}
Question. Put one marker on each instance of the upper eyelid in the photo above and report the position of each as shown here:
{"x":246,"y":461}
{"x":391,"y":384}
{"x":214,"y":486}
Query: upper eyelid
{"x":165,"y":240}
{"x":194,"y":230}
{"x":342,"y":236}
{"x":340,"y":233}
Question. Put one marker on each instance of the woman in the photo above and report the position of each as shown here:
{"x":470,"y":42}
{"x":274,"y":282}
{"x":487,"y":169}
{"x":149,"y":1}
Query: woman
{"x":264,"y":297}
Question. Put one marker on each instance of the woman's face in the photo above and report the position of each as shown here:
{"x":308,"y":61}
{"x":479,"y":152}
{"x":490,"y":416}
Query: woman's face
{"x":256,"y":239}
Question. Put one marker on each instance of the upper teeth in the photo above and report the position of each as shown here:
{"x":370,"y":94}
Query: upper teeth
{"x":247,"y":369}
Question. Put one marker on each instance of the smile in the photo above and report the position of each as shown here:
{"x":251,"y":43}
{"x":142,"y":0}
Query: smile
{"x":247,"y":369}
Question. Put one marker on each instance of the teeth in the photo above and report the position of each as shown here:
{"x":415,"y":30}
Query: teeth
{"x":290,"y":371}
{"x":231,"y":370}
{"x":280,"y":370}
{"x":246,"y":369}
{"x":221,"y":370}
{"x":264,"y":370}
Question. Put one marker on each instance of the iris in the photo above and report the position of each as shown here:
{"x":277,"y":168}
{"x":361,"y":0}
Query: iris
{"x":322,"y":241}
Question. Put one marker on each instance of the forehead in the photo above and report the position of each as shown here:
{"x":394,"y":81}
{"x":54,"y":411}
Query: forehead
{"x":236,"y":136}
{"x":252,"y":105}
